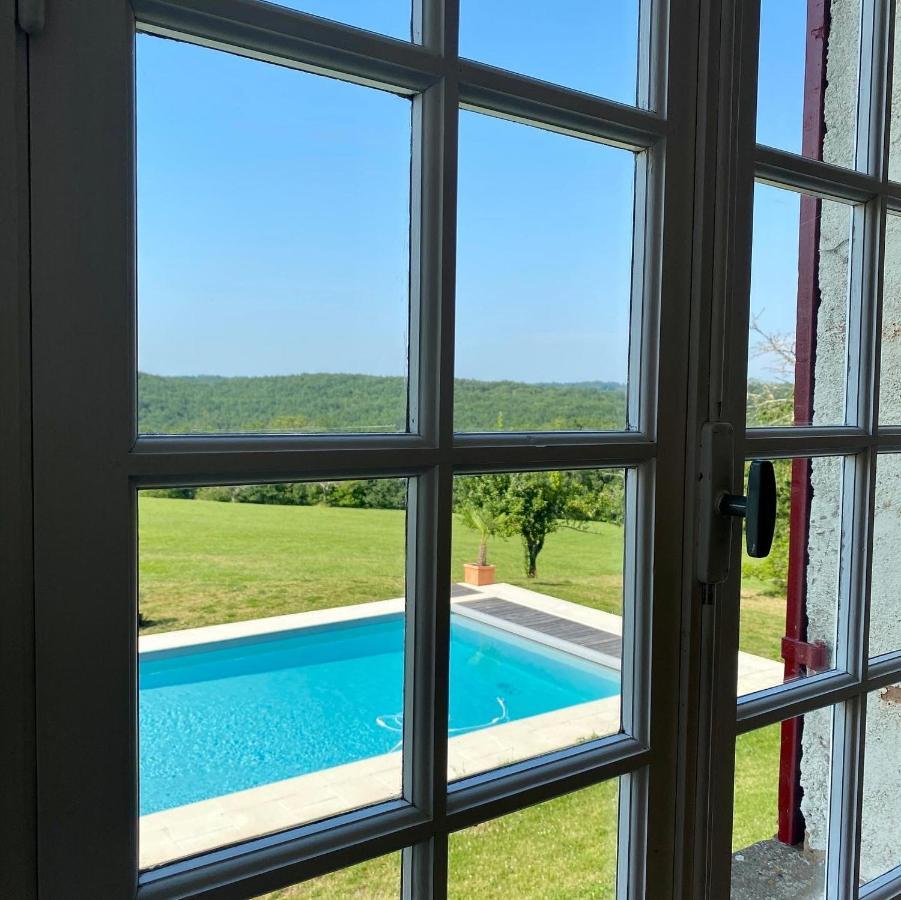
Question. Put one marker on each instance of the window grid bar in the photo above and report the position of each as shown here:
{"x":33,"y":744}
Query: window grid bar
{"x":885,"y":887}
{"x":849,"y":729}
{"x":291,"y":38}
{"x":811,"y":176}
{"x":282,"y":859}
{"x":541,"y":103}
{"x":204,"y":468}
{"x":848,"y":725}
{"x":426,"y":682}
{"x":786,"y":701}
{"x":783,"y":443}
{"x":789,"y":441}
{"x":793,"y":699}
{"x":883,"y":670}
{"x":490,"y":794}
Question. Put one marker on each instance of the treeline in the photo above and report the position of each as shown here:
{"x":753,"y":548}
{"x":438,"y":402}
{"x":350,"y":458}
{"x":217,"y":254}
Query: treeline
{"x":594,"y":494}
{"x":369,"y":493}
{"x":320,"y":403}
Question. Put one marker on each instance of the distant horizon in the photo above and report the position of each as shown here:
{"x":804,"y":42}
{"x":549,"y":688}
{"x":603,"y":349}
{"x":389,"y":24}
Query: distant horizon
{"x":597,"y":382}
{"x":544,"y":383}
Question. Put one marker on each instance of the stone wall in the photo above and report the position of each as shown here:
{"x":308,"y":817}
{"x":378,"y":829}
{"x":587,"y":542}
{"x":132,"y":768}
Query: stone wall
{"x":882,"y":814}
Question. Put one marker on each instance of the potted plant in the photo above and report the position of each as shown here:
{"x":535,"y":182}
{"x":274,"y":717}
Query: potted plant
{"x":481,"y":504}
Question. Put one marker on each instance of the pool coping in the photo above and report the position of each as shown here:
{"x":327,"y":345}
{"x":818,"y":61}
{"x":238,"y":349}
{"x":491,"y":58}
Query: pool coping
{"x":175,"y":833}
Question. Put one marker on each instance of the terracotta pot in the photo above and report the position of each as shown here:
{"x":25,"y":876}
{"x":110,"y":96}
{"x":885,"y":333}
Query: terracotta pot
{"x":478,"y":575}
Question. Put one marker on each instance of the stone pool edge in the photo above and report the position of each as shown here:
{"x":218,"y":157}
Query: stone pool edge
{"x":211,"y":824}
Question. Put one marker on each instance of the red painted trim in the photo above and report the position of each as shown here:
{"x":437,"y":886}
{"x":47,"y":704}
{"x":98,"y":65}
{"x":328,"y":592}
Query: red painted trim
{"x":791,"y":820}
{"x":814,"y":657}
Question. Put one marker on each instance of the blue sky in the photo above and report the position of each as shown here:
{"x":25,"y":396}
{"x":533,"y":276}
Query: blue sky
{"x":273,"y":205}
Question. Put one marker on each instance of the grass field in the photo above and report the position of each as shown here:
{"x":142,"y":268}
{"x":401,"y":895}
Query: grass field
{"x":205,"y":562}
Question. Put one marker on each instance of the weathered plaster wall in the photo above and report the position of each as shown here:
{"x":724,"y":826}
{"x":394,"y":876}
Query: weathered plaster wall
{"x":881,"y":837}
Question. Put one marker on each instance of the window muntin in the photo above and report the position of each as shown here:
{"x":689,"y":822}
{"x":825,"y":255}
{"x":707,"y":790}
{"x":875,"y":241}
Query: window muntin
{"x":273,"y":248}
{"x":890,"y":359}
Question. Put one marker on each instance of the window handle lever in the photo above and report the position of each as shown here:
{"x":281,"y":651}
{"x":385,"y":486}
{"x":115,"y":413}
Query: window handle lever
{"x":758,"y":508}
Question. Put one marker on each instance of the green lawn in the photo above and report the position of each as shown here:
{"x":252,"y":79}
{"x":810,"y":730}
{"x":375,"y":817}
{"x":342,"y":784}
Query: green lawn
{"x":203,"y":562}
{"x":505,"y":858}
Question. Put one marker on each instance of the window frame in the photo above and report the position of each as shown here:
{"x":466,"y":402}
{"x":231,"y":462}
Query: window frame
{"x":861,"y":440}
{"x":82,"y":119}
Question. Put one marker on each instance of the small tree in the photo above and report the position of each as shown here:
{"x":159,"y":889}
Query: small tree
{"x":481,"y":501}
{"x":773,"y":403}
{"x":538,"y":503}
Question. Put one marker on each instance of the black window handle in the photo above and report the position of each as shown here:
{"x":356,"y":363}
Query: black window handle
{"x":758,"y":508}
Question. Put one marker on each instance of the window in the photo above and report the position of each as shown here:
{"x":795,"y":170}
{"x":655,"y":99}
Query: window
{"x":326,"y":275}
{"x":345,"y":318}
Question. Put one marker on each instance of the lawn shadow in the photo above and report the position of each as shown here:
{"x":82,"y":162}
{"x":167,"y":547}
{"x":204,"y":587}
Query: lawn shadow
{"x":144,"y":622}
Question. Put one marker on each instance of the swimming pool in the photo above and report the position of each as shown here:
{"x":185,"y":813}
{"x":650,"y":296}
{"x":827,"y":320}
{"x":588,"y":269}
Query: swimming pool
{"x":225,"y":717}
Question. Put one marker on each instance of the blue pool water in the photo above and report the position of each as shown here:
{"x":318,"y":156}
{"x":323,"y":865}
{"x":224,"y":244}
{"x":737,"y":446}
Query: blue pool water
{"x":247,"y":713}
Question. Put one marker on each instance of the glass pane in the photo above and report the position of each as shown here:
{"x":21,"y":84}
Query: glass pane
{"x":807,"y":96}
{"x":797,"y":346}
{"x":536,"y":634}
{"x":581,"y":44}
{"x":391,"y":17}
{"x":569,"y":843}
{"x":885,"y":589}
{"x":265,"y":609}
{"x":544,"y":272}
{"x":375,"y":879}
{"x":890,"y":369}
{"x":781,"y":813}
{"x":273,"y":247}
{"x":880,"y":838}
{"x":894,"y":155}
{"x":789,"y":600}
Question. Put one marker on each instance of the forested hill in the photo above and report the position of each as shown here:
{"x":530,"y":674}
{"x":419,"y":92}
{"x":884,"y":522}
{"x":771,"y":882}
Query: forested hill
{"x":327,"y":402}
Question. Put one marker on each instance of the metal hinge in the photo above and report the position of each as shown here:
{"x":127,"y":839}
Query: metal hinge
{"x":814,"y":656}
{"x":30,"y":16}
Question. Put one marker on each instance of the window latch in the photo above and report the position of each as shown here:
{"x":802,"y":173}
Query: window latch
{"x":719,"y":505}
{"x":758,"y":508}
{"x":30,"y":16}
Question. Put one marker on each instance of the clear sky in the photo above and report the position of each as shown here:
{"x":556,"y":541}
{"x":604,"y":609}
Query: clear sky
{"x":273,"y":205}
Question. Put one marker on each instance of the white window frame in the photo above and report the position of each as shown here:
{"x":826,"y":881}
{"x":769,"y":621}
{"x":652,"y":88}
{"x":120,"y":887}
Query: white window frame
{"x":860,"y":441}
{"x":89,"y":460}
